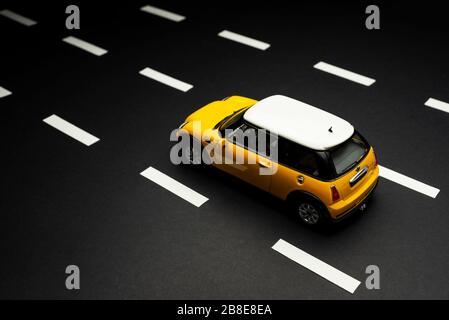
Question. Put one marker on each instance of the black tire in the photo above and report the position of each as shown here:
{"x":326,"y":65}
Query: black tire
{"x":309,"y":211}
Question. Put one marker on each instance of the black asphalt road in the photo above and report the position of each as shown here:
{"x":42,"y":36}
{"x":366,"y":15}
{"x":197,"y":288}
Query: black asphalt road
{"x":64,"y":203}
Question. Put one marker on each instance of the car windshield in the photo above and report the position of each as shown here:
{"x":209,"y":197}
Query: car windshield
{"x":230,"y":122}
{"x":349,"y":153}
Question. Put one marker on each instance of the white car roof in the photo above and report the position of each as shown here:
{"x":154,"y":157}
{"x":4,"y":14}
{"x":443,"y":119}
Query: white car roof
{"x":299,"y":122}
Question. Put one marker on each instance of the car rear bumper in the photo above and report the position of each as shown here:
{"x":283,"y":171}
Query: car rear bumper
{"x":358,"y":205}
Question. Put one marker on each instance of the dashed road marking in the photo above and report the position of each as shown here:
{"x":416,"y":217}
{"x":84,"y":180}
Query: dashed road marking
{"x":408,"y":182}
{"x":71,"y":130}
{"x":165,"y":79}
{"x":163,"y":13}
{"x":317,"y":266}
{"x":437,"y":104}
{"x":343,"y":73}
{"x":4,"y":92}
{"x":18,"y":18}
{"x":174,"y":186}
{"x":85,"y":46}
{"x":244,"y":40}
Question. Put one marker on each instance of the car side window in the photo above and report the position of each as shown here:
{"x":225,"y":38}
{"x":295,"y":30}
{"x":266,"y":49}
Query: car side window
{"x":244,"y":136}
{"x":270,"y":143}
{"x":298,"y":157}
{"x":249,"y":137}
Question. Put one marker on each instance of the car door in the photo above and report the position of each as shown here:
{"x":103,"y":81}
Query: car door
{"x":241,"y":158}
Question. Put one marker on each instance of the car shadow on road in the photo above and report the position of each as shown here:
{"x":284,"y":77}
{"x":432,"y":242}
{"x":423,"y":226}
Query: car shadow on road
{"x":277,"y":206}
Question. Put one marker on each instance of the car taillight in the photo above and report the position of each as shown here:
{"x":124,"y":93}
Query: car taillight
{"x":335,"y":194}
{"x":375,"y":158}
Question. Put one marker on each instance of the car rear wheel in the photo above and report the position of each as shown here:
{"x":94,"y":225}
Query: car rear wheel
{"x":309,"y":211}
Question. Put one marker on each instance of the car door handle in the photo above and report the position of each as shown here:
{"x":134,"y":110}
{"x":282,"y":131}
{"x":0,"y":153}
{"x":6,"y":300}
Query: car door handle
{"x":264,"y":163}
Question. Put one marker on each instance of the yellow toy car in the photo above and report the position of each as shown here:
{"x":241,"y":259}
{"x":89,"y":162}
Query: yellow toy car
{"x":314,"y":160}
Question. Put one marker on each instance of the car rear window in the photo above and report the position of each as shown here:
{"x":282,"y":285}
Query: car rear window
{"x":349,"y":153}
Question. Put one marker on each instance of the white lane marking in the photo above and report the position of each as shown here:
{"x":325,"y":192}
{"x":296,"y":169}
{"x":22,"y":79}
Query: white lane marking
{"x":163,"y":78}
{"x":315,"y":265}
{"x":85,"y":46}
{"x":18,"y":18}
{"x":174,"y":186}
{"x":408,"y":182}
{"x":71,"y":130}
{"x":4,"y":92}
{"x":243,"y":39}
{"x":437,"y":104}
{"x":343,"y":73}
{"x":163,"y":13}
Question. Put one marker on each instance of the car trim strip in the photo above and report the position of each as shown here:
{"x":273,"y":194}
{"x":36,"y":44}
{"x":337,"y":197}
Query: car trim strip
{"x":358,"y":176}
